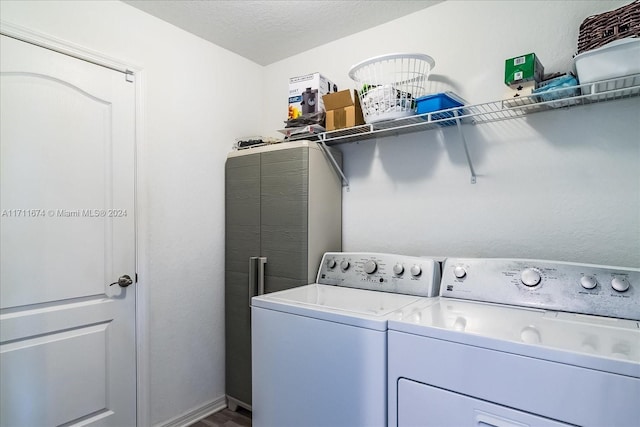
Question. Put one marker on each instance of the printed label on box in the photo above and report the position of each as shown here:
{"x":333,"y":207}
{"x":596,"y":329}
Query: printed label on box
{"x":523,"y":68}
{"x":305,"y":94}
{"x":301,"y":78}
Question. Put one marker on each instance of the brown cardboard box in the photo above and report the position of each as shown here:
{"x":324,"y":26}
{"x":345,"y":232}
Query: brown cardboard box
{"x":343,"y":110}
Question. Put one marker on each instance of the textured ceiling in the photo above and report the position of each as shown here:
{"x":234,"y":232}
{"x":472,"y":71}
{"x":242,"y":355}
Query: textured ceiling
{"x":270,"y":30}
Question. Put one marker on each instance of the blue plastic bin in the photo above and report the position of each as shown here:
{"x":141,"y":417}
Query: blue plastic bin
{"x":436,"y":102}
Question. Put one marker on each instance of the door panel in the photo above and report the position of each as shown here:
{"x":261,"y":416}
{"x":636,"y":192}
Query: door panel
{"x":286,"y":252}
{"x":242,"y":211}
{"x":84,"y":382}
{"x":67,"y":339}
{"x":242,"y":241}
{"x":39,"y":250}
{"x":238,"y":336}
{"x":284,"y":207}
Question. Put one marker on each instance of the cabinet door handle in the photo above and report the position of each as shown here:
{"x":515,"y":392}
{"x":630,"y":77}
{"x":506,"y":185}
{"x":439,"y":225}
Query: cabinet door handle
{"x":253,"y":270}
{"x":262,"y":261}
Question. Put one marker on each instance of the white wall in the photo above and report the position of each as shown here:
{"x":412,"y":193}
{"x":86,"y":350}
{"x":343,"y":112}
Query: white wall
{"x":559,"y":185}
{"x":194,"y":107}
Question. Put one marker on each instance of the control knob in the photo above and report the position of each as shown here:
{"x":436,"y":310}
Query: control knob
{"x":345,"y":264}
{"x":620,"y":284}
{"x":459,"y":271}
{"x":530,"y":335}
{"x":331,"y":263}
{"x":398,"y":269}
{"x":530,"y":277}
{"x":370,"y":267}
{"x":588,"y":282}
{"x":416,"y":270}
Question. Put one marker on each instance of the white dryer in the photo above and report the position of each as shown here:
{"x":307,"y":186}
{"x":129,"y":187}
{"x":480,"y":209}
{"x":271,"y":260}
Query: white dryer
{"x":518,"y":343}
{"x":319,"y":352}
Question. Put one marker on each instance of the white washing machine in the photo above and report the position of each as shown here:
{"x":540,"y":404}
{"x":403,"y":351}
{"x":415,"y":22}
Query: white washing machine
{"x":519,"y":343}
{"x":319,"y":352}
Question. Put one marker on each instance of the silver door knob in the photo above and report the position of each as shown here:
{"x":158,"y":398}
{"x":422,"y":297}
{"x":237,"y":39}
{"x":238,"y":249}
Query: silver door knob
{"x":123,"y":281}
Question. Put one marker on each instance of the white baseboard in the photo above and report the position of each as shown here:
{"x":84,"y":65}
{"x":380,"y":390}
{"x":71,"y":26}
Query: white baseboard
{"x":196,"y":414}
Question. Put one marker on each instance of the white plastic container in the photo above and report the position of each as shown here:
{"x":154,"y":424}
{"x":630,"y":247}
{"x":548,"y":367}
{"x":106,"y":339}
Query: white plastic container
{"x":616,"y":59}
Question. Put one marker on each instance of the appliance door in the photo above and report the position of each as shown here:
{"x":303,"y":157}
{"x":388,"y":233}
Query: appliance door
{"x":505,"y":376}
{"x":423,"y":405}
{"x":316,"y":373}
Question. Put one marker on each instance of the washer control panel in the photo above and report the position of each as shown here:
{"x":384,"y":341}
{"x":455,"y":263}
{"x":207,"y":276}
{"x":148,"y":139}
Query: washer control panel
{"x":381,"y":272}
{"x":559,"y":286}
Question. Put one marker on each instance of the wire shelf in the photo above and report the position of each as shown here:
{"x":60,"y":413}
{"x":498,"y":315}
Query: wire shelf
{"x":602,"y":91}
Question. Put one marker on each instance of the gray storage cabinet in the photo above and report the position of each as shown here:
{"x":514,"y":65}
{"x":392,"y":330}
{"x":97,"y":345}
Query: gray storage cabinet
{"x":283,"y":211}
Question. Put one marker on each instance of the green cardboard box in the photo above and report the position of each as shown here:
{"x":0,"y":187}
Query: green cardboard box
{"x":523,"y":68}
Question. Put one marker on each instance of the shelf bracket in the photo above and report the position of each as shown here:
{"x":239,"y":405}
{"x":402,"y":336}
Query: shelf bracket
{"x":336,"y":166}
{"x":464,"y":144}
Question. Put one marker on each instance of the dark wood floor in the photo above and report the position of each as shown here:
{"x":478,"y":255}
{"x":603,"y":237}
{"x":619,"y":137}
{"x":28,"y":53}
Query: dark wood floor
{"x":226,"y":418}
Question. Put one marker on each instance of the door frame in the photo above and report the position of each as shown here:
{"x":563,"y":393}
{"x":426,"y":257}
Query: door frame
{"x":140,"y":195}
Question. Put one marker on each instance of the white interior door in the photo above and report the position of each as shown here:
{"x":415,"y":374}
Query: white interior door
{"x":67,"y":338}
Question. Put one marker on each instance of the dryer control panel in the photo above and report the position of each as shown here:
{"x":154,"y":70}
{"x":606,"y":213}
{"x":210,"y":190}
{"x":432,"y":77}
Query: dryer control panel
{"x":381,"y":272}
{"x":560,"y":286}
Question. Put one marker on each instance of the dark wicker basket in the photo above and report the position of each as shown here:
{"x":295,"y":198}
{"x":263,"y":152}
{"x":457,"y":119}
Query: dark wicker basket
{"x":598,"y":30}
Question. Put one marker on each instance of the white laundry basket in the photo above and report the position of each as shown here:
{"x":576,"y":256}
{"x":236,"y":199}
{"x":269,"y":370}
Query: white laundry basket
{"x":388,"y":85}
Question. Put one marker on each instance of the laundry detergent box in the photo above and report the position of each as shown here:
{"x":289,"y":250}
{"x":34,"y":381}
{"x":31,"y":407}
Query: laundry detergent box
{"x":305,"y":94}
{"x":523,"y":68}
